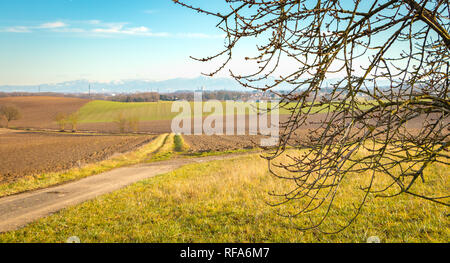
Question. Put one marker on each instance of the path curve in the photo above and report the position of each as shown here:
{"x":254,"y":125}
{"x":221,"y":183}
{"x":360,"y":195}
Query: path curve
{"x":19,"y":210}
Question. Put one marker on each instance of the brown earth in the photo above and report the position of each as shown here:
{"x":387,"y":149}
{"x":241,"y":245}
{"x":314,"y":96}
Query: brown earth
{"x":164,"y":126}
{"x":220,"y":143}
{"x":40,"y":112}
{"x":29,"y":153}
{"x":152,"y":127}
{"x":32,"y":153}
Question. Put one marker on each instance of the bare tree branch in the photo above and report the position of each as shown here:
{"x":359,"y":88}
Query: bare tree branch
{"x":368,"y":79}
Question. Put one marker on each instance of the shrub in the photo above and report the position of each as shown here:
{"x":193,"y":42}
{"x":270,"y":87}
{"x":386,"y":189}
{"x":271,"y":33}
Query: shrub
{"x":121,"y":122}
{"x":61,"y":120}
{"x":133,"y":123}
{"x":9,"y":113}
{"x":73,"y":119}
{"x":178,"y":142}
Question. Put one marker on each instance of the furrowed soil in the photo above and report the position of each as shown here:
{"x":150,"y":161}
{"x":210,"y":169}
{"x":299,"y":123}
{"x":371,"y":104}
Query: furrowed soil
{"x":32,"y":153}
{"x":221,"y":143}
{"x":40,"y":112}
{"x":165,"y":126}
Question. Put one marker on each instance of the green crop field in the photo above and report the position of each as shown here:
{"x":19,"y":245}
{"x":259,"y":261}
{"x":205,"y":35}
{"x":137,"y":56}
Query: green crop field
{"x":107,"y":111}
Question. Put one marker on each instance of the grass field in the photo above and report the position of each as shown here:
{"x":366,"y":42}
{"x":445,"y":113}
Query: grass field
{"x":225,"y":201}
{"x":100,"y":116}
{"x":107,"y":111}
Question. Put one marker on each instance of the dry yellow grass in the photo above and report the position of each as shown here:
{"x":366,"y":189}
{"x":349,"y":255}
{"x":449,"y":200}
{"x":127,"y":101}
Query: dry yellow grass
{"x":225,"y":201}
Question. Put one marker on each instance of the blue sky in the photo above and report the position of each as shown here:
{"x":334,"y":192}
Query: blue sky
{"x":47,"y":41}
{"x":51,"y":41}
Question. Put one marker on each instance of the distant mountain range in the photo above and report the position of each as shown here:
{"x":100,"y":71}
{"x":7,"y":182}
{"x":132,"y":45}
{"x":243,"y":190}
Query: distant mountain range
{"x":132,"y":86}
{"x":136,"y":86}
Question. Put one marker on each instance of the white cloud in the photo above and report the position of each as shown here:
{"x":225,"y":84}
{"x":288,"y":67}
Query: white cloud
{"x":69,"y":30}
{"x":110,"y":30}
{"x":100,"y":28}
{"x":94,"y":22}
{"x":121,"y":29}
{"x":141,"y":29}
{"x":29,"y":29}
{"x":136,"y":31}
{"x":17,"y":29}
{"x":150,"y":11}
{"x":57,"y":24}
{"x":198,"y":35}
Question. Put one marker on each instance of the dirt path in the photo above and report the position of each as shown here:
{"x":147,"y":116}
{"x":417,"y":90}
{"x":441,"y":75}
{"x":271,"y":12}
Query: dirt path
{"x":18,"y":210}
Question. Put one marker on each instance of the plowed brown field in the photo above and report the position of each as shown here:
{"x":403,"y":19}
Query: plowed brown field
{"x":219,"y":143}
{"x":40,"y":112}
{"x":31,"y":153}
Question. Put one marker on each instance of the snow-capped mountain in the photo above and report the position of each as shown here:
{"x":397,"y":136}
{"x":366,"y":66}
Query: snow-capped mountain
{"x":130,"y":86}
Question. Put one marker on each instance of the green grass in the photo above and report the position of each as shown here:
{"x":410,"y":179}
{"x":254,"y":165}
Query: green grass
{"x":214,"y":153}
{"x":225,"y":201}
{"x":166,"y":151}
{"x":107,"y":111}
{"x":179,"y":145}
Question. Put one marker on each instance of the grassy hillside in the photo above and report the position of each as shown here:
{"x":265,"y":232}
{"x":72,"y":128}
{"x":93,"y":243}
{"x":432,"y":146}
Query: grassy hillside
{"x":107,"y":111}
{"x":224,"y":201}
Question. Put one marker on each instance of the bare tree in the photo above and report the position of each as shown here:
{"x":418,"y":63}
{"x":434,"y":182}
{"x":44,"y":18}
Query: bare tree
{"x":133,"y":123}
{"x":61,"y":120}
{"x":366,"y":70}
{"x":9,"y":113}
{"x":121,"y":121}
{"x":73,"y":120}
